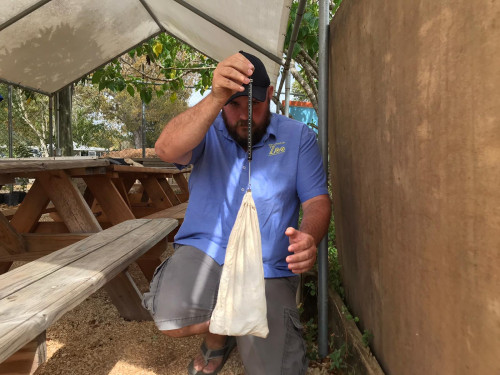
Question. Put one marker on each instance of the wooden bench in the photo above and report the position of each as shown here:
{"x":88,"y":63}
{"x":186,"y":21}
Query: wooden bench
{"x":35,"y":295}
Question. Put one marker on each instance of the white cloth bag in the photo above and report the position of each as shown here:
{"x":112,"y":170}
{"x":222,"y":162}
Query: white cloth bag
{"x":241,"y":303}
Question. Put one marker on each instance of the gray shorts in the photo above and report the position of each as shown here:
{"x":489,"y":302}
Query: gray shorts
{"x":184,"y":292}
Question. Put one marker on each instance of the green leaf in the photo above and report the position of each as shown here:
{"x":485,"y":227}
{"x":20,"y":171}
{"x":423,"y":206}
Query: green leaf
{"x":102,"y":85}
{"x":130,"y":90}
{"x":120,"y":85}
{"x":146,"y":95}
{"x":308,"y":18}
{"x":96,"y":77}
{"x":173,"y":97}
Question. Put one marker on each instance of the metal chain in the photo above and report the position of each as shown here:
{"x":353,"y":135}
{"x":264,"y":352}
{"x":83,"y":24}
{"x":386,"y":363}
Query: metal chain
{"x":250,"y":116}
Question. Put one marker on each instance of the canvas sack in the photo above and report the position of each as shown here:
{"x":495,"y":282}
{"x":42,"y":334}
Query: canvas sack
{"x":241,"y":303}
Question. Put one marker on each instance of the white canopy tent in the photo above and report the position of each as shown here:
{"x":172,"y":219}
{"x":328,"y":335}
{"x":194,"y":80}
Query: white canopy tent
{"x":47,"y":44}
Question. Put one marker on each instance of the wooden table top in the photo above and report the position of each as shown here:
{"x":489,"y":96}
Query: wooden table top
{"x":76,"y":166}
{"x":13,"y":166}
{"x":149,"y":170}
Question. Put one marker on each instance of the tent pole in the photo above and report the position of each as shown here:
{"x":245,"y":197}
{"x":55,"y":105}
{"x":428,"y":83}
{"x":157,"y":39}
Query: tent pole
{"x":143,"y":123}
{"x":287,"y":93}
{"x":9,"y":109}
{"x":143,"y":129}
{"x":58,"y":140}
{"x":51,"y":127}
{"x":323,"y":142}
{"x":9,"y":119}
{"x":23,"y":14}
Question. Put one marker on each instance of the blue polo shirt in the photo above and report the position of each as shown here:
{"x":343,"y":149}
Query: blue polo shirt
{"x":286,"y":169}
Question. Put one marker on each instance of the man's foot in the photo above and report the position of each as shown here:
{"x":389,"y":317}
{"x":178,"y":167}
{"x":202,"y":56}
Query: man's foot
{"x":214,"y":352}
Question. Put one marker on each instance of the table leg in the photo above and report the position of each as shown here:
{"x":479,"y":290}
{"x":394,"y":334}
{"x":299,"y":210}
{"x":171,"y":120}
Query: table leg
{"x":173,"y":198}
{"x":27,"y":359}
{"x":116,"y":210}
{"x":68,"y":202}
{"x":78,"y":217}
{"x":105,"y":192}
{"x":155,"y":193}
{"x":183,"y":185}
{"x":31,"y":209}
{"x":123,"y":288}
{"x":120,"y":185}
{"x":10,"y":242}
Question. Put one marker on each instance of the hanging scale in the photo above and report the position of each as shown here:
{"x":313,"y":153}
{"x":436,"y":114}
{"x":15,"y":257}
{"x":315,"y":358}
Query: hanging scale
{"x":250,"y":116}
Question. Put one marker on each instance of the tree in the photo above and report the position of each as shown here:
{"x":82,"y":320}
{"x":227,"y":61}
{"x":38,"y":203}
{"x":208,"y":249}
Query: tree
{"x":163,"y":71}
{"x":90,"y":127}
{"x":4,"y":136}
{"x":304,"y":63}
{"x":127,"y":110}
{"x":166,"y":64}
{"x":30,"y":120}
{"x":159,"y":66}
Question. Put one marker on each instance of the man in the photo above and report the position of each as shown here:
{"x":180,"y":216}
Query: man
{"x":286,"y":172}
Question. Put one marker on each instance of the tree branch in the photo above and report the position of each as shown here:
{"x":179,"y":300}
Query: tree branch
{"x":278,"y":104}
{"x":306,"y":87}
{"x":186,"y":71}
{"x":310,"y":61}
{"x":309,"y":81}
{"x":24,"y":116}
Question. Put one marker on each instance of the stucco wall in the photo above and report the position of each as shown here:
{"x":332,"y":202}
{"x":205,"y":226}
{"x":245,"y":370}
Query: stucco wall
{"x":414,"y":123}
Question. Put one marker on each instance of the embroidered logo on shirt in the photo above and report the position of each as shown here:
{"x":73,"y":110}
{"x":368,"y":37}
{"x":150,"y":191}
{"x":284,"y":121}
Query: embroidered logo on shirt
{"x":277,"y":148}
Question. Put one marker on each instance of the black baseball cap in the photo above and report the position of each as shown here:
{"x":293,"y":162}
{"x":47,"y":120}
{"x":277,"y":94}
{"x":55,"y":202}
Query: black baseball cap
{"x":260,"y":80}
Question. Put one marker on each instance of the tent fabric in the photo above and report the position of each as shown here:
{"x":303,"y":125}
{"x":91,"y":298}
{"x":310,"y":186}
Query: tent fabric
{"x":63,"y":40}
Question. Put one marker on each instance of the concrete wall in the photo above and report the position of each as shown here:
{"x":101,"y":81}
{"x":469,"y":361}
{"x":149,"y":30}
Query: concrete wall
{"x":414,"y":122}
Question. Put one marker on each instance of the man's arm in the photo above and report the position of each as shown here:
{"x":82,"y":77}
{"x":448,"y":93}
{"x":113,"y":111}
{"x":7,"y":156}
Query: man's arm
{"x":185,"y":131}
{"x":314,"y":225}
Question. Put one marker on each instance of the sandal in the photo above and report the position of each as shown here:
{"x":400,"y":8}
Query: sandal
{"x":211,"y":354}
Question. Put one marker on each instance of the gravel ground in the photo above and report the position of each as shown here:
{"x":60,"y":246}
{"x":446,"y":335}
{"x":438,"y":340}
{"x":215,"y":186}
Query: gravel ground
{"x":92,"y":339}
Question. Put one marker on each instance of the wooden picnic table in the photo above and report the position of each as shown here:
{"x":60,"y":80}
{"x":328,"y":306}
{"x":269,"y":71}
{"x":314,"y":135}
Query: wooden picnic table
{"x":83,"y":196}
{"x":108,"y":199}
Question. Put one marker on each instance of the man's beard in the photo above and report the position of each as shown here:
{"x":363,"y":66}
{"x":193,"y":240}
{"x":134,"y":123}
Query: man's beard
{"x":258,"y":131}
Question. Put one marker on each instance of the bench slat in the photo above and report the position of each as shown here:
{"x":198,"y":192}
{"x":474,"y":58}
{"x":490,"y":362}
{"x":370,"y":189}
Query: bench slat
{"x":38,"y":293}
{"x":20,"y":277}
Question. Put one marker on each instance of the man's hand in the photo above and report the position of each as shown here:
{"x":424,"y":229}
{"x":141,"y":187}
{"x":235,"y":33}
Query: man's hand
{"x":186,"y":130}
{"x":304,"y":249}
{"x":229,"y":76}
